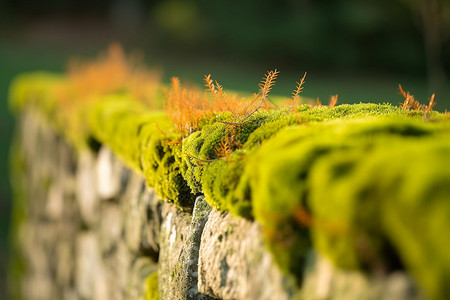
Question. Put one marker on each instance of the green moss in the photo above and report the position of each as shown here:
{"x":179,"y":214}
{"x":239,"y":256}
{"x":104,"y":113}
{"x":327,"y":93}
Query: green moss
{"x":147,"y":143}
{"x":324,"y":169}
{"x":162,"y":168}
{"x":403,"y":206}
{"x":151,"y":291}
{"x":356,"y":182}
{"x":16,"y":266}
{"x":34,"y":89}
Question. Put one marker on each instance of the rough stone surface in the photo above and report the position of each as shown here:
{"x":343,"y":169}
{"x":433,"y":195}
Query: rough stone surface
{"x":187,"y":276}
{"x":89,"y":228}
{"x":234,"y":264}
{"x":86,"y":188}
{"x":323,"y":281}
{"x":89,"y":274}
{"x":112,"y":175}
{"x":141,"y":268}
{"x":174,"y":230}
{"x":141,"y":217}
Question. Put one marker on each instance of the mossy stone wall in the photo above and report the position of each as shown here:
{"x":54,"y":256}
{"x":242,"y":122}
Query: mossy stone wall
{"x":89,"y":227}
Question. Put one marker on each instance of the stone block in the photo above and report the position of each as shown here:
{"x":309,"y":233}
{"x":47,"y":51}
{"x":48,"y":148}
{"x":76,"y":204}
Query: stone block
{"x":112,"y":175}
{"x":324,"y":281}
{"x":86,"y":192}
{"x":142,"y":217}
{"x":235,"y":264}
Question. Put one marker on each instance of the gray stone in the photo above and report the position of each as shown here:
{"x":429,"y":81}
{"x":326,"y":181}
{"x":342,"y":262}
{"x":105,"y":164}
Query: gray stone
{"x":324,"y":281}
{"x":112,"y":175}
{"x":187,"y":275}
{"x":117,"y":268}
{"x":110,"y":229}
{"x":89,"y":278}
{"x":234,"y":262}
{"x":142,"y":217}
{"x":174,"y":230}
{"x":140,"y":269}
{"x":87,"y":199}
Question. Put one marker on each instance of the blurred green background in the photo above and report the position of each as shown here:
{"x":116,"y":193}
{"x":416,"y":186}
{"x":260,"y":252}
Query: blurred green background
{"x":360,"y":50}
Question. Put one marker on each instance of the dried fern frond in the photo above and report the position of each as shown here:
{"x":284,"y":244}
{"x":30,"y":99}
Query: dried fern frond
{"x":221,"y":101}
{"x":265,"y":86}
{"x":185,"y":107}
{"x":268,"y":82}
{"x":333,"y":101}
{"x":112,"y":72}
{"x":295,"y":94}
{"x":410,"y":102}
{"x":431,"y":104}
{"x":402,"y":92}
{"x":318,"y":103}
{"x":209,"y":84}
{"x":224,"y":149}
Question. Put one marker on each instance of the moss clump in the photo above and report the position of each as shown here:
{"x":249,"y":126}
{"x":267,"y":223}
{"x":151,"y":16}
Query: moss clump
{"x":399,"y":212}
{"x":161,"y":160}
{"x":341,"y":178}
{"x":35,"y":90}
{"x":146,"y":141}
{"x":17,"y":264}
{"x":151,"y":291}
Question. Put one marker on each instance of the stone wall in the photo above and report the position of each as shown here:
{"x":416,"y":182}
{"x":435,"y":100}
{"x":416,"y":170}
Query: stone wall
{"x":92,"y":229}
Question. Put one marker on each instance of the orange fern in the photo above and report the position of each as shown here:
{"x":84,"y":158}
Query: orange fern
{"x":333,"y":101}
{"x":185,"y":107}
{"x":410,"y":102}
{"x":295,"y":94}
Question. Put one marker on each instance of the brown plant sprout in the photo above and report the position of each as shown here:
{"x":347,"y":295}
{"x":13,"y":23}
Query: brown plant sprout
{"x":431,"y":104}
{"x":302,"y":216}
{"x":200,"y":161}
{"x":333,"y":101}
{"x":228,"y":143}
{"x":318,"y":103}
{"x":224,"y":149}
{"x":253,"y":105}
{"x":410,"y":102}
{"x":223,"y":101}
{"x":185,"y":107}
{"x":409,"y":99}
{"x":295,"y":95}
{"x":109,"y":73}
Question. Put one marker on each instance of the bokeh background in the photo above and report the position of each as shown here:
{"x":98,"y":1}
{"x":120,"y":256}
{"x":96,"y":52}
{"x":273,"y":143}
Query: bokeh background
{"x":360,"y":50}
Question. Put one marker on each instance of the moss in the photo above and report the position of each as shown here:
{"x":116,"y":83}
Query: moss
{"x":147,"y":143}
{"x":162,"y":168}
{"x":34,"y":89}
{"x":323,"y":170}
{"x":409,"y":197}
{"x":220,"y":179}
{"x":16,"y":266}
{"x":151,"y":291}
{"x":357,"y":182}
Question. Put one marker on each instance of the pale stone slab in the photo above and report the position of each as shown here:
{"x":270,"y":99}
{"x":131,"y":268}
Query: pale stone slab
{"x":86,"y":192}
{"x":324,"y":281}
{"x":234,"y":263}
{"x":111,"y":173}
